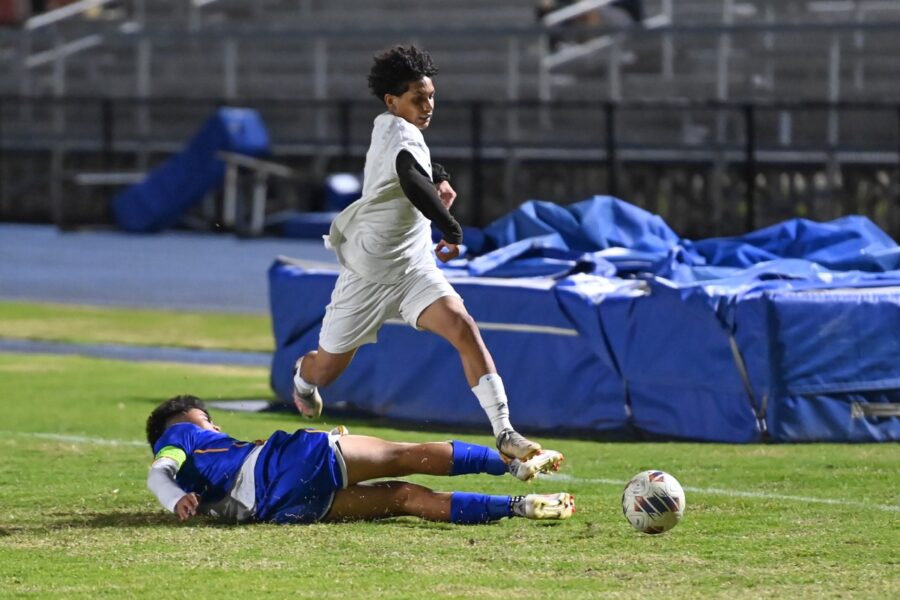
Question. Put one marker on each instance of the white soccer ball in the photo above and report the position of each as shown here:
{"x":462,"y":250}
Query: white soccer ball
{"x":653,"y":502}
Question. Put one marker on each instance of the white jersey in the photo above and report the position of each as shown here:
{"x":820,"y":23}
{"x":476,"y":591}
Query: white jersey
{"x":382,"y":236}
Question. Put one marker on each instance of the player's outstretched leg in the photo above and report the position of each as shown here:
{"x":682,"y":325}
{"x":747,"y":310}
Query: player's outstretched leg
{"x":448,"y":318}
{"x":373,"y":458}
{"x":384,"y":499}
{"x":398,"y":498}
{"x":472,"y":458}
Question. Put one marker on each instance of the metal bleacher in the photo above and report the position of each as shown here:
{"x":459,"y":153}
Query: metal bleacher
{"x":166,"y":63}
{"x":232,"y":49}
{"x":288,"y":49}
{"x":270,"y":49}
{"x":750,"y":49}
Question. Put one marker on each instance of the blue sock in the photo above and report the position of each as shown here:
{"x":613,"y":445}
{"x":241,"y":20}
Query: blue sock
{"x":469,"y":509}
{"x":472,"y":458}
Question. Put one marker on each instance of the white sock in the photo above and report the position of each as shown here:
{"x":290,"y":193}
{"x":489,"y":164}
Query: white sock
{"x":492,"y":398}
{"x":302,"y":386}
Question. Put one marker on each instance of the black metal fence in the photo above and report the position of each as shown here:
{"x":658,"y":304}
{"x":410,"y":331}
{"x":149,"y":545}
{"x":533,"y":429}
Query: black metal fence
{"x":710,"y":167}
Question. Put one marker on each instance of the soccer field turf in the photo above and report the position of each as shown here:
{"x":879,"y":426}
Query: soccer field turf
{"x":76,"y":520}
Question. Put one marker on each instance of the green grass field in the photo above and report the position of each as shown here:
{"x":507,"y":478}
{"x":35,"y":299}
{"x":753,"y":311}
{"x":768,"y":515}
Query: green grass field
{"x":804,"y":521}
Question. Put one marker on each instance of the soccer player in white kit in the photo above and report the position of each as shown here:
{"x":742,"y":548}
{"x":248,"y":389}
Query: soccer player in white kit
{"x":383,"y":244}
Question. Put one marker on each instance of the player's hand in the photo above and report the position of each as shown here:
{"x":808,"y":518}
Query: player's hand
{"x":446,"y":251}
{"x":446,"y":193}
{"x":187,"y":506}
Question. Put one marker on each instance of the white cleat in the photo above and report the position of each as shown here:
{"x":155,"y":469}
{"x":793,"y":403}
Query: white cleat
{"x":512,"y":444}
{"x":340,"y":430}
{"x":546,"y":461}
{"x":544,"y":506}
{"x":309,"y":404}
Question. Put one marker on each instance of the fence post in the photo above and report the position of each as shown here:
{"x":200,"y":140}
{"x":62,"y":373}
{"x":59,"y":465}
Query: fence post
{"x":106,"y":128}
{"x":750,"y":166}
{"x":612,"y":168}
{"x":475,"y":120}
{"x":320,"y":86}
{"x":345,"y":132}
{"x":57,"y":163}
{"x":230,"y":67}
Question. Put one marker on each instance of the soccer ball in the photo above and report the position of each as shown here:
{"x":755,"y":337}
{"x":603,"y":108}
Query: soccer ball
{"x":653,"y":502}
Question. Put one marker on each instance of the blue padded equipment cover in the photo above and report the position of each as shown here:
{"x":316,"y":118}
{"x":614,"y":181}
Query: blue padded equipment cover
{"x":413,"y":375}
{"x":183,"y":180}
{"x":602,"y":319}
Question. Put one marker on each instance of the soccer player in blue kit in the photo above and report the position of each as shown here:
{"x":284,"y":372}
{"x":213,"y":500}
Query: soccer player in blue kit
{"x":387,"y":261}
{"x":310,"y":476}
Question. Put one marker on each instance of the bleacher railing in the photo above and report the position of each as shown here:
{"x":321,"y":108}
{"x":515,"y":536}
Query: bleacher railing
{"x":482,"y":139}
{"x":840,"y":43}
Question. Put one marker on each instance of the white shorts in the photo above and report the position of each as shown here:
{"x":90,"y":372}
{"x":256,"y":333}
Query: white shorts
{"x":360,"y":307}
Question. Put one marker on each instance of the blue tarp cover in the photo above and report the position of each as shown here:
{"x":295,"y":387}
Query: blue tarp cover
{"x":601,"y":318}
{"x":181,"y":182}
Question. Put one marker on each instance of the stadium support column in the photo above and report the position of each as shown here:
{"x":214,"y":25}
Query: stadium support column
{"x":475,"y":119}
{"x":612,"y":166}
{"x":750,"y":166}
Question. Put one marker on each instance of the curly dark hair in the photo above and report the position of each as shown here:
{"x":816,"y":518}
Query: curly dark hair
{"x":396,"y":68}
{"x":156,"y":422}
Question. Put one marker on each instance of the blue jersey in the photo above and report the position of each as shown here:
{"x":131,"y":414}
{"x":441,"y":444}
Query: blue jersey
{"x":296,"y":474}
{"x":208,"y":460}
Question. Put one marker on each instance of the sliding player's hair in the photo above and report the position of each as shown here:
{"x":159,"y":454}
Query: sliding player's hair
{"x":156,"y":422}
{"x":396,"y":68}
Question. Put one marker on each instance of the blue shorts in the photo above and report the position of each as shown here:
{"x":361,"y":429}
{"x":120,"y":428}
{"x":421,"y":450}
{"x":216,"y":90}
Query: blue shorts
{"x":297,"y":475}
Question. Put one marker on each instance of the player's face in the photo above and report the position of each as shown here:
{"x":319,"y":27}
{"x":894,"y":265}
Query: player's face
{"x":200,"y":419}
{"x":416,"y":105}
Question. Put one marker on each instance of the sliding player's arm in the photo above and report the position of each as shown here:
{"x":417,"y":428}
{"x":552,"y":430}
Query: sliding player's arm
{"x":161,"y":481}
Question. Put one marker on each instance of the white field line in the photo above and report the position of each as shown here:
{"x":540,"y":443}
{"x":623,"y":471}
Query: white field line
{"x":75,"y":439}
{"x":735,"y":493}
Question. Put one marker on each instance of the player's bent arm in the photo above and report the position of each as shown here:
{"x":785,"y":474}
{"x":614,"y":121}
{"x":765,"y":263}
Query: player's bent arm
{"x":161,"y":481}
{"x":420,"y":191}
{"x":439,"y":173}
